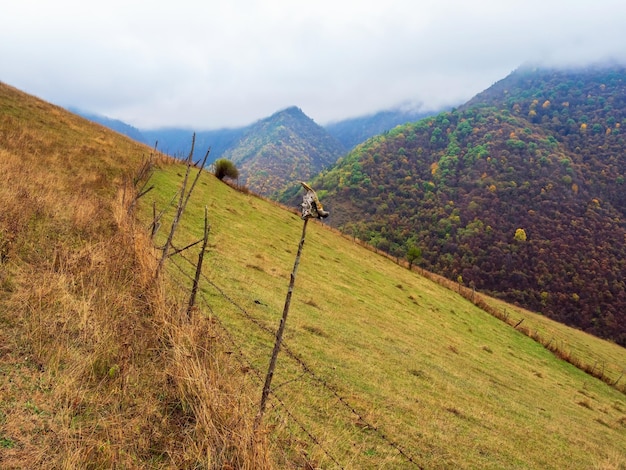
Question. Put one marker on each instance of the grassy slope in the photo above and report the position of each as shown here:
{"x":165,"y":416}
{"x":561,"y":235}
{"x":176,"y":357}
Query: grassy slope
{"x":602,"y":356}
{"x":95,"y":370}
{"x":449,"y":384}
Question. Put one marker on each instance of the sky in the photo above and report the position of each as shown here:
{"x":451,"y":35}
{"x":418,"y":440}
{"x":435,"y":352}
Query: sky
{"x":209,"y":64}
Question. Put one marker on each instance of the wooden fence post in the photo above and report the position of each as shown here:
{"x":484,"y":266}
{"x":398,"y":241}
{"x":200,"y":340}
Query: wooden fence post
{"x":279,"y":333}
{"x":196,"y":280}
{"x":179,"y":212}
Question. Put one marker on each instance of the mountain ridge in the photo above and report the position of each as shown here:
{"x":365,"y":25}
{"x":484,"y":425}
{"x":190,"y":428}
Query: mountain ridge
{"x":284,"y":147}
{"x":459,"y":186}
{"x":176,"y":141}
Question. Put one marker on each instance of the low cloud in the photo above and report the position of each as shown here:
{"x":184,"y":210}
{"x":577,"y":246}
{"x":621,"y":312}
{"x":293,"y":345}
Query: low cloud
{"x":219,"y":64}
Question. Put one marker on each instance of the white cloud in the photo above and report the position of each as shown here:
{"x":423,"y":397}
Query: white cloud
{"x":211,"y":64}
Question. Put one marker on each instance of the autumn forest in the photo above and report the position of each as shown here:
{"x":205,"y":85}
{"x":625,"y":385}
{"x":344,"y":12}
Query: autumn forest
{"x":519,"y":193}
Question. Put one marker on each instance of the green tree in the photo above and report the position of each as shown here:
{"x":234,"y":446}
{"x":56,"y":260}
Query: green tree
{"x":224,"y":168}
{"x":413,"y":254}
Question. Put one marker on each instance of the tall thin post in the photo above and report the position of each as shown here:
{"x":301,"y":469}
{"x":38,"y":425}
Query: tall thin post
{"x":179,"y":211}
{"x":155,"y":222}
{"x":279,"y":333}
{"x":196,"y":280}
{"x":311,"y":209}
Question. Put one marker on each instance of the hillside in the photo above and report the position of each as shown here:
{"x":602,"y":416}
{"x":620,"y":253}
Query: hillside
{"x":96,"y":370}
{"x":285,"y":147}
{"x":382,"y":368}
{"x":523,"y":201}
{"x":100,"y":366}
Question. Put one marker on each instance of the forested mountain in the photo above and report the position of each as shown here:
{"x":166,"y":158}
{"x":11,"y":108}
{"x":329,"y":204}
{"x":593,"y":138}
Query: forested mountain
{"x":285,"y":147}
{"x":177,"y":141}
{"x":518,"y":193}
{"x":351,"y":132}
{"x":583,"y":109}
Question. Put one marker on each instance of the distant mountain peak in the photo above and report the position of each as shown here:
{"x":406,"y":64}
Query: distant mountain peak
{"x":292,"y":110}
{"x":281,"y":150}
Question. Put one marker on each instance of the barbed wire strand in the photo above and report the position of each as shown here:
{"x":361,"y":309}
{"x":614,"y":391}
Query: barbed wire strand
{"x":241,"y":358}
{"x":308,"y":370}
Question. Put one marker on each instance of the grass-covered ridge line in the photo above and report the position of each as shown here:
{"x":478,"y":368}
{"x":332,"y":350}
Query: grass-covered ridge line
{"x":448,"y":383}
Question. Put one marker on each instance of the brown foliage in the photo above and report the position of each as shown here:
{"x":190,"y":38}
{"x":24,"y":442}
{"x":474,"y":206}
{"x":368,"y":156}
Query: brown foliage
{"x":459,"y":185}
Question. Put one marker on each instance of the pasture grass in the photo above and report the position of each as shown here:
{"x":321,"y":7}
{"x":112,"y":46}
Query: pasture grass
{"x":600,"y":356}
{"x":399,"y":372}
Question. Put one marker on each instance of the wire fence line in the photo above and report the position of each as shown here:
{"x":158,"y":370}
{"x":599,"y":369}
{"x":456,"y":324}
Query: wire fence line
{"x":247,"y":363}
{"x":307,"y":370}
{"x":305,"y":367}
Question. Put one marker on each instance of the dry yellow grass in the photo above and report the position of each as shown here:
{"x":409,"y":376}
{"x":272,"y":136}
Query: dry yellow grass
{"x":97,"y":369}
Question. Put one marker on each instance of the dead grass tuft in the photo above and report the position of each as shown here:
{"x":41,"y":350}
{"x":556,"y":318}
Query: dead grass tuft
{"x":311,"y":303}
{"x":317,"y":331}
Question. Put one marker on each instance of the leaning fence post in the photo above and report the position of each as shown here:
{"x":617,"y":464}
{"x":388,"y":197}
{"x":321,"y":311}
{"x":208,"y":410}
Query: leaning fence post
{"x":311,"y":208}
{"x":179,"y":212}
{"x":196,"y":279}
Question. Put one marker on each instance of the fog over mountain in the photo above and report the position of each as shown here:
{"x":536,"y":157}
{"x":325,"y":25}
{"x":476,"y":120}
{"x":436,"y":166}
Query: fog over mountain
{"x":213,"y":65}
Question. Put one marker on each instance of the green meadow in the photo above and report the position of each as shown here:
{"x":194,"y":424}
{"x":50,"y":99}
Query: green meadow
{"x":381,"y":367}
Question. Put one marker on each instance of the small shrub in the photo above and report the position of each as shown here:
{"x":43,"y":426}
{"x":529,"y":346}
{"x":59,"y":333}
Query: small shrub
{"x":225,"y":169}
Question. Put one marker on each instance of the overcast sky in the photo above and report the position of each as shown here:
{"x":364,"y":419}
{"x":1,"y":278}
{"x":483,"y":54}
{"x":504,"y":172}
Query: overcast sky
{"x":209,"y":64}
